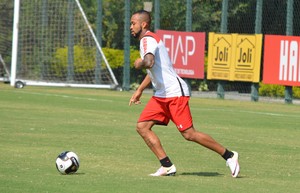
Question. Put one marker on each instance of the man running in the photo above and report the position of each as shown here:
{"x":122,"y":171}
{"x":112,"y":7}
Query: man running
{"x":170,"y":99}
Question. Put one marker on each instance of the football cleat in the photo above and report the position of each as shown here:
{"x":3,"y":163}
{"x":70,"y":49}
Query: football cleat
{"x":165,"y":171}
{"x":233,"y":164}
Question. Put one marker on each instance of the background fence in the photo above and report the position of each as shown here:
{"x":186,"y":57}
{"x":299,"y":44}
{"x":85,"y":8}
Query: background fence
{"x":110,"y":20}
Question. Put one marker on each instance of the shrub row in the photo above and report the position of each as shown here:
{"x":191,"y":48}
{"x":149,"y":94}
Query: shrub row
{"x":116,"y":61}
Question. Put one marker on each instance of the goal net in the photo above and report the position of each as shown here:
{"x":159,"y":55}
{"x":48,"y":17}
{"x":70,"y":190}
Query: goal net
{"x":54,"y":45}
{"x":6,"y":25}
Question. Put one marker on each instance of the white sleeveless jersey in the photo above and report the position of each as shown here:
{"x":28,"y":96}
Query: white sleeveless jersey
{"x":164,"y":78}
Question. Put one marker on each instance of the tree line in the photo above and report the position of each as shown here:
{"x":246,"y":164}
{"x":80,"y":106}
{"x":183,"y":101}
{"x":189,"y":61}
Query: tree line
{"x":206,"y":17}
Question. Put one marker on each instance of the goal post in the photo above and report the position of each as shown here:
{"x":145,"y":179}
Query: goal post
{"x":54,"y":45}
{"x":15,"y":42}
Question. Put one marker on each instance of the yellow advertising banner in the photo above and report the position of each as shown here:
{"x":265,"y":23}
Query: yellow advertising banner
{"x":234,"y":57}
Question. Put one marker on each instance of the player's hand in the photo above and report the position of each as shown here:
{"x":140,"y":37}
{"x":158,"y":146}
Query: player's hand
{"x":135,"y":99}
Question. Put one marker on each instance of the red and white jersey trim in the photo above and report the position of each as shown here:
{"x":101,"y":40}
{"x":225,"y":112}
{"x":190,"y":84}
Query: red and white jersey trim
{"x":164,"y":79}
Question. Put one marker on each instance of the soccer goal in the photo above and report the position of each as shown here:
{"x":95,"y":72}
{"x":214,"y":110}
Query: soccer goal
{"x":54,"y":45}
{"x":5,"y":75}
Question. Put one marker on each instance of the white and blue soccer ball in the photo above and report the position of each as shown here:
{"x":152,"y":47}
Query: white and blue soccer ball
{"x":67,"y":162}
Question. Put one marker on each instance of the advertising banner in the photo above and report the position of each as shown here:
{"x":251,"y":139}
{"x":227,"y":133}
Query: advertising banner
{"x":234,"y":57}
{"x":187,"y":52}
{"x":281,"y":60}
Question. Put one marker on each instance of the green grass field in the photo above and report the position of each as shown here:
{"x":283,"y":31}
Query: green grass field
{"x":38,"y":123}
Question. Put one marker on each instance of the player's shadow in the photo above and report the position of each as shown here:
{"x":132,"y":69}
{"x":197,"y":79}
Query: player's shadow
{"x":205,"y":174}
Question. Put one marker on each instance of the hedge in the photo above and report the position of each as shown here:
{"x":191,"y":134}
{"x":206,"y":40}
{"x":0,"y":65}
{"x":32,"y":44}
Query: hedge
{"x":115,"y":57}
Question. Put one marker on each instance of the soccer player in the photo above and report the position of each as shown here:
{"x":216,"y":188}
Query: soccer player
{"x":170,"y":99}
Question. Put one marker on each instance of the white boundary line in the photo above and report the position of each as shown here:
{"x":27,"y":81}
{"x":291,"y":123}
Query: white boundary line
{"x":65,"y":96}
{"x":192,"y":107}
{"x":242,"y":111}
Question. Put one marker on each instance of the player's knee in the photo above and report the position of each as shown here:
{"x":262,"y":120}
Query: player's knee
{"x":138,"y":129}
{"x":189,"y":134}
{"x":188,"y":137}
{"x":141,"y":128}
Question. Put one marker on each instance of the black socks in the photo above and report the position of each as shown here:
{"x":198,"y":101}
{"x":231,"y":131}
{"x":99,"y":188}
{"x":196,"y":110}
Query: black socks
{"x":227,"y":154}
{"x":166,"y":162}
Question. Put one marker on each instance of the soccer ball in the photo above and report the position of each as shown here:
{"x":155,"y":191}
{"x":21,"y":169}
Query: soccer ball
{"x":67,"y":162}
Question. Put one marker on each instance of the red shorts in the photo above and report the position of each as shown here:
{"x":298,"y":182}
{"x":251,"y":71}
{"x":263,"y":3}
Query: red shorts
{"x":162,"y":110}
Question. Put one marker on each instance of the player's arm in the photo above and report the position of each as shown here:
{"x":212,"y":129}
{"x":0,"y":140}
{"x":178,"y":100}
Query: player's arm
{"x":146,"y":82}
{"x":135,"y":99}
{"x":147,"y":62}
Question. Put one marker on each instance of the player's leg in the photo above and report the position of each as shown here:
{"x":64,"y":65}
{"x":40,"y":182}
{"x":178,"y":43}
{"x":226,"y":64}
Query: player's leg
{"x":182,"y":117}
{"x":150,"y":138}
{"x":155,"y":113}
{"x":207,"y":141}
{"x":203,"y":139}
{"x":153,"y":142}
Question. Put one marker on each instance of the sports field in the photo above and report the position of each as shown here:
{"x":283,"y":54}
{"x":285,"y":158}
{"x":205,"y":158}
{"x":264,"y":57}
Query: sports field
{"x":38,"y":123}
